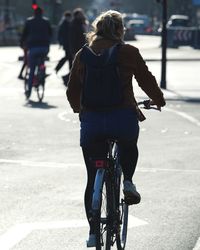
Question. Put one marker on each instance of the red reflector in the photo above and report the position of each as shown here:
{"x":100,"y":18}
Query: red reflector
{"x":34,"y":6}
{"x":100,"y":164}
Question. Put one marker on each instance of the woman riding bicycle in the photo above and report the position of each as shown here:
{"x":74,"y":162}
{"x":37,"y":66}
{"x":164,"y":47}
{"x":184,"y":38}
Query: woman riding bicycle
{"x":119,"y":122}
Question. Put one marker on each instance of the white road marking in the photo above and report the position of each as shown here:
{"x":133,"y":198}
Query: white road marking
{"x":67,"y":165}
{"x":14,"y":236}
{"x":185,"y":116}
{"x":135,"y":222}
{"x":62,"y":116}
{"x":17,"y":233}
{"x":197,"y":246}
{"x":39,"y":164}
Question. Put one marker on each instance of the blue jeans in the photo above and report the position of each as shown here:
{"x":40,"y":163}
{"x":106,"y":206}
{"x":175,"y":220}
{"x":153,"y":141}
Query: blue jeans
{"x":34,"y":56}
{"x":118,"y":124}
{"x":96,"y":127}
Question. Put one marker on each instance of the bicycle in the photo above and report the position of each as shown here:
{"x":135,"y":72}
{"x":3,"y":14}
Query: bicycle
{"x":38,"y":80}
{"x":109,"y":207}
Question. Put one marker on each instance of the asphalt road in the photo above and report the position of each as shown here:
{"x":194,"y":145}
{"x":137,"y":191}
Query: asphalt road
{"x":42,"y":175}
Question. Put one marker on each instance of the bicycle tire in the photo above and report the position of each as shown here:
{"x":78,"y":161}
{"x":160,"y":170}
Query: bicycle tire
{"x":25,"y":84}
{"x":26,"y":87}
{"x":103,"y":215}
{"x":121,"y":235}
{"x":40,"y":91}
{"x":122,"y":207}
{"x":40,"y":81}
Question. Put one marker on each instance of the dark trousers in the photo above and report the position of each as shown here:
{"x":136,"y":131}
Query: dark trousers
{"x":96,"y":128}
{"x":35,"y":55}
{"x":62,"y":61}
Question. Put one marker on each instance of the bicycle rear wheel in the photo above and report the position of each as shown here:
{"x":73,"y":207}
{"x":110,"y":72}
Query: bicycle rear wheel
{"x":40,"y":81}
{"x":26,"y":87}
{"x":40,"y":91}
{"x":103,"y":218}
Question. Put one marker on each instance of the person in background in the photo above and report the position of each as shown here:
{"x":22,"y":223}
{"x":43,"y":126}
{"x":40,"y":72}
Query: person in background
{"x":36,"y":35}
{"x":119,"y":122}
{"x":21,"y":77}
{"x":64,"y":33}
{"x":79,"y":29}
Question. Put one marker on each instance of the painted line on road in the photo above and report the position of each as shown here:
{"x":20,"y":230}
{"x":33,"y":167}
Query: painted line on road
{"x":67,"y":165}
{"x":185,"y":116}
{"x":38,"y":164}
{"x":62,"y":116}
{"x":17,"y":233}
{"x":197,"y":246}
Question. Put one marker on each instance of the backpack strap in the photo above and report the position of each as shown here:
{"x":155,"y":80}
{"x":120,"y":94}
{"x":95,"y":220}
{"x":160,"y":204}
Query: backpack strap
{"x":108,"y":56}
{"x":113,"y":53}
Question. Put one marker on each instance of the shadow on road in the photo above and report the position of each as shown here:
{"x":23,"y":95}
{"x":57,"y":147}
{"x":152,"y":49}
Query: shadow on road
{"x":40,"y":105}
{"x":172,"y":95}
{"x":193,"y":100}
{"x":185,"y":99}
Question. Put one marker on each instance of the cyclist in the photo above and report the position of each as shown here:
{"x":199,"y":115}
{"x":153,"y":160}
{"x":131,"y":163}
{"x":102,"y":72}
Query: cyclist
{"x":120,"y":122}
{"x":36,"y":35}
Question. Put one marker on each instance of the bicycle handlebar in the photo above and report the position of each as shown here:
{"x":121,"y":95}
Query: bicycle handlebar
{"x":147,"y":105}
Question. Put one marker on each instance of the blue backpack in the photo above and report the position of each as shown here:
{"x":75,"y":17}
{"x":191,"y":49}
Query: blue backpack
{"x":102,"y":88}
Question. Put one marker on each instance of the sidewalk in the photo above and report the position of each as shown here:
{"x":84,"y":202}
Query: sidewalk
{"x":182,"y":69}
{"x":171,"y":95}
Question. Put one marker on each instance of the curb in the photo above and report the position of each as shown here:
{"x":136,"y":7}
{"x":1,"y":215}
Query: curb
{"x":173,"y":59}
{"x":197,"y":246}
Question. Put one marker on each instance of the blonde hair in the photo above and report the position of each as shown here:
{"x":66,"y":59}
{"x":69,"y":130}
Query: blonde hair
{"x":109,"y":25}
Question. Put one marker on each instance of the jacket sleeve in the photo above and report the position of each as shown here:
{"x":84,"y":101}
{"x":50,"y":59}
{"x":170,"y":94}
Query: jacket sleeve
{"x":73,"y":91}
{"x":61,"y":33}
{"x":24,"y":35}
{"x":147,"y":81}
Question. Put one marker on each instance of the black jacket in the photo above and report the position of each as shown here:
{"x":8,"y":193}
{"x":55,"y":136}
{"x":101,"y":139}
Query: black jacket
{"x":37,"y":32}
{"x":78,"y":34}
{"x":64,"y":32}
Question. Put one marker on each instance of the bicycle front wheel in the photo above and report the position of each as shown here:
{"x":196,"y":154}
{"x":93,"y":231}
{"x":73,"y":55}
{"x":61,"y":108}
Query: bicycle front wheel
{"x":103,"y":218}
{"x":122,"y":218}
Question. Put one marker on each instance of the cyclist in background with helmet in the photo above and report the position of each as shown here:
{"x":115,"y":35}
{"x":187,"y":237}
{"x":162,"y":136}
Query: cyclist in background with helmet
{"x":119,"y":122}
{"x":36,"y":35}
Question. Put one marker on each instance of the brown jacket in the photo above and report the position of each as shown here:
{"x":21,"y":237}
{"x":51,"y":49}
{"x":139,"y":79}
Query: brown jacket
{"x":130,"y":63}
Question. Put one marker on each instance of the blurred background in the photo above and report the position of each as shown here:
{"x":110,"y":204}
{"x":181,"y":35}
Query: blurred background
{"x":144,"y":17}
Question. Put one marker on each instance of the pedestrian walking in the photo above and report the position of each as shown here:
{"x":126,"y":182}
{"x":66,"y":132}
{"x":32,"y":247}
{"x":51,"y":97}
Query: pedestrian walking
{"x":64,"y":33}
{"x":79,"y":28}
{"x":107,"y":107}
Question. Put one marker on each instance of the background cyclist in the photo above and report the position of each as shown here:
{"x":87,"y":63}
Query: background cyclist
{"x":36,"y":35}
{"x":121,"y":122}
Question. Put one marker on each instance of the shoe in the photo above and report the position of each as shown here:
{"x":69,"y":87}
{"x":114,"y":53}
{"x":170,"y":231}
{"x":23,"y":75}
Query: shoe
{"x":46,"y":75}
{"x":91,"y":242}
{"x":65,"y":79}
{"x":131,"y":195}
{"x":21,"y":77}
{"x":27,"y":94}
